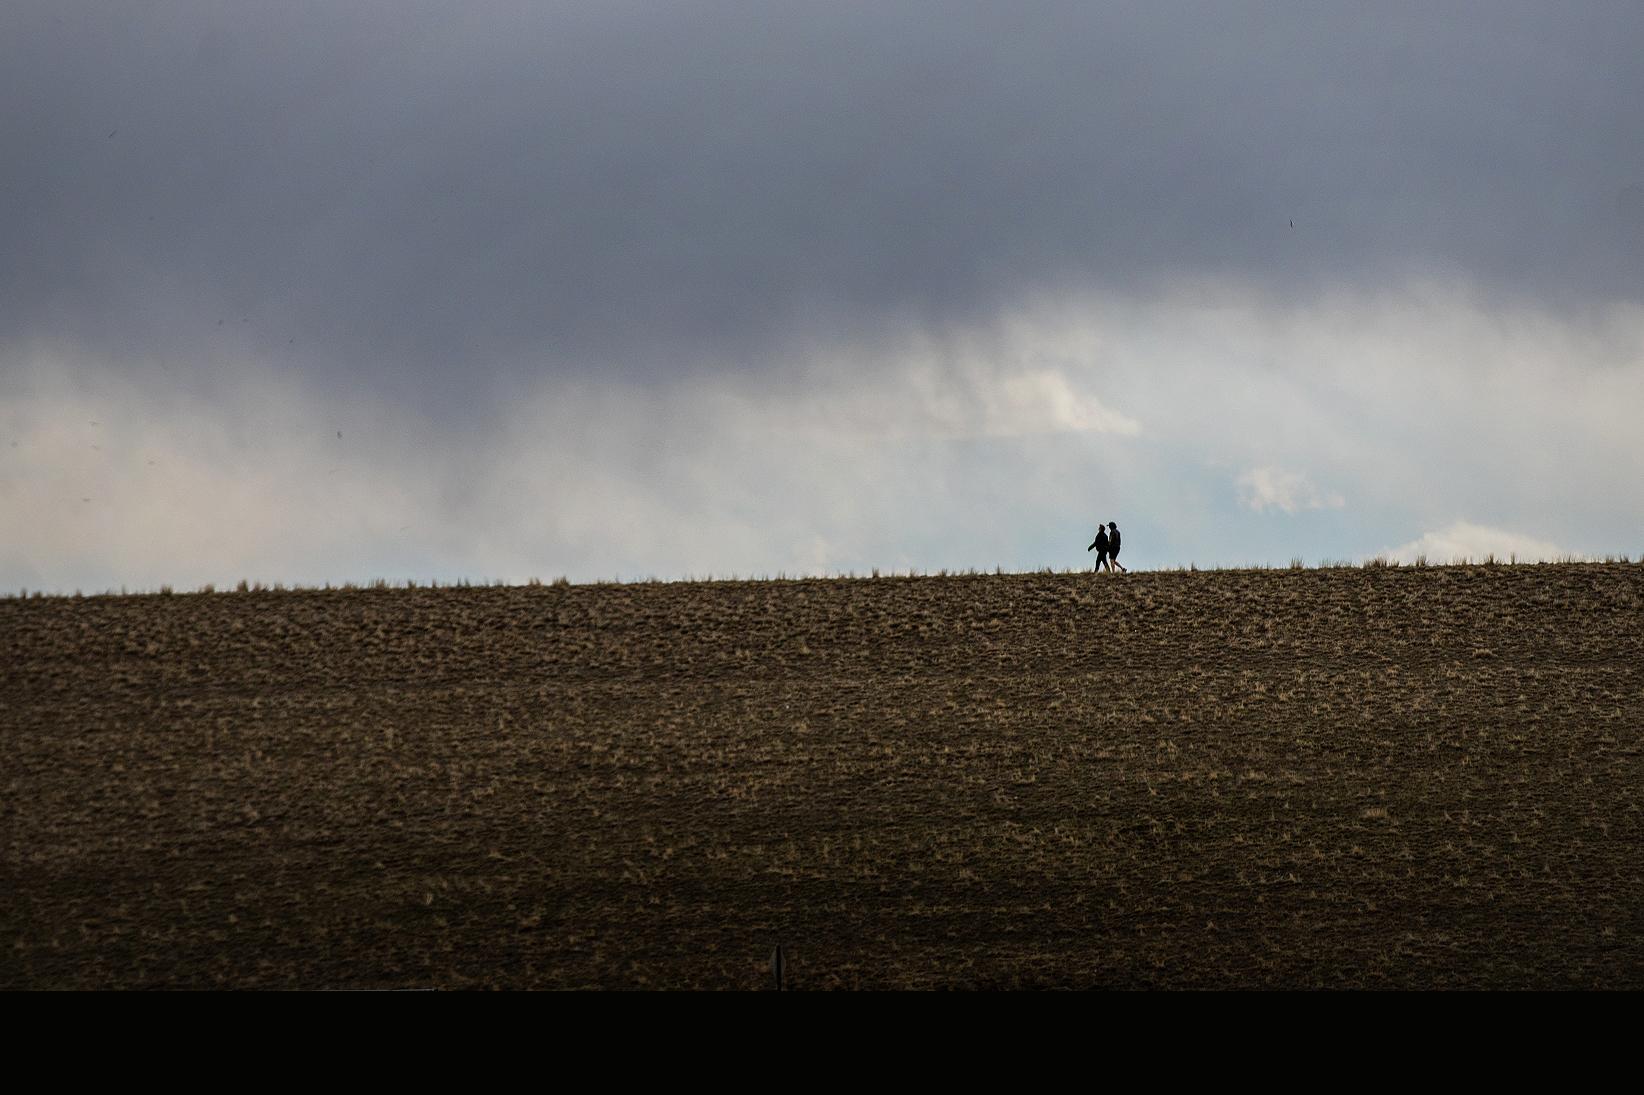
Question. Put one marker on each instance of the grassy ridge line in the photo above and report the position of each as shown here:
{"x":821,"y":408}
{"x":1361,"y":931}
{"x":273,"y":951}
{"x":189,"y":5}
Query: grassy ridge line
{"x":1377,"y":563}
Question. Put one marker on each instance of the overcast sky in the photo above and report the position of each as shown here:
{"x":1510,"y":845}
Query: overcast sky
{"x":343,"y":290}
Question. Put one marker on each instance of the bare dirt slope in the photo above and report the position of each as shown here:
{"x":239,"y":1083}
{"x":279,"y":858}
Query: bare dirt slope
{"x":1390,"y":777}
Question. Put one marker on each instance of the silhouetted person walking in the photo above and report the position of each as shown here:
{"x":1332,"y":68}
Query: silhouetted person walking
{"x":1100,"y":546}
{"x":1113,"y":548}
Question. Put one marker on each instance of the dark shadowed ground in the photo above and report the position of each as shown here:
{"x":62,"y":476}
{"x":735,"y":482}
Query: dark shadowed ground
{"x":1345,"y":777}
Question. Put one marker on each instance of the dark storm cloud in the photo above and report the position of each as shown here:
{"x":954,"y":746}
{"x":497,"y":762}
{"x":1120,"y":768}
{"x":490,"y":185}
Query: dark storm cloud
{"x":428,"y":198}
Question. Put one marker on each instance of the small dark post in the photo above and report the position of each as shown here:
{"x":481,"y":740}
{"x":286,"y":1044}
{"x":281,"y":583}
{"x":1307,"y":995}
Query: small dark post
{"x":778,"y":962}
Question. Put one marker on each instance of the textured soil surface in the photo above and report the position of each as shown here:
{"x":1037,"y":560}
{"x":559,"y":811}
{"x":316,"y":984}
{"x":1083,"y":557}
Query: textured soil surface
{"x":1379,"y":778}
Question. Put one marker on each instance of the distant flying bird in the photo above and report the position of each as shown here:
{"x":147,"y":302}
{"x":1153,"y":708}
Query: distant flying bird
{"x":1292,"y":224}
{"x":95,"y":423}
{"x":112,"y":132}
{"x":339,"y":435}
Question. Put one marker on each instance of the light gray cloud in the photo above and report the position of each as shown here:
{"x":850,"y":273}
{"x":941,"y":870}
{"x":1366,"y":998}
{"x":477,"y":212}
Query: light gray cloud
{"x":1269,"y":488}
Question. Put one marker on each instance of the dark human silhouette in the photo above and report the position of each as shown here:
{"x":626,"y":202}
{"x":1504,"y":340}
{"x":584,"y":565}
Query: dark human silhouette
{"x":1113,"y":548}
{"x":1100,"y":546}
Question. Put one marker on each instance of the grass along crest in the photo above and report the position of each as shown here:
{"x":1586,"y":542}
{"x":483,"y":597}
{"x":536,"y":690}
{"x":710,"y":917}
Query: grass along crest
{"x":1375,"y":562}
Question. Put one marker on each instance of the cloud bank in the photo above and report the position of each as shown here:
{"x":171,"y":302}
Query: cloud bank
{"x":1420,"y":410}
{"x":1464,"y":540}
